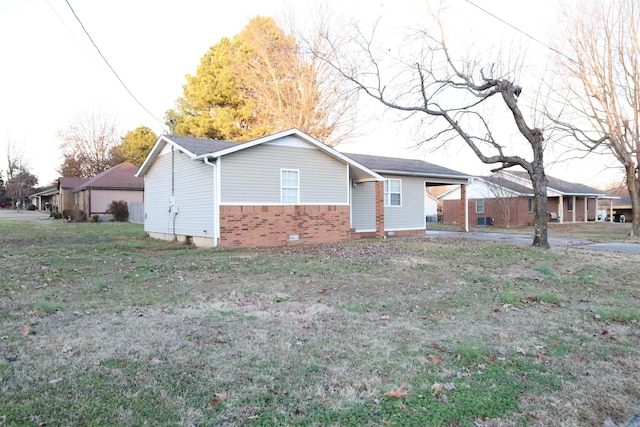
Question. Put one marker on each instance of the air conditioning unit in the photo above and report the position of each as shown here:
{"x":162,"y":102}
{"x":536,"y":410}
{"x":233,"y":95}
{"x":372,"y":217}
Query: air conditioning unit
{"x":485,"y":220}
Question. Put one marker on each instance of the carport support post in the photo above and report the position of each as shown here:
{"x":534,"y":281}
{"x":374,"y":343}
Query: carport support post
{"x":464,"y":221}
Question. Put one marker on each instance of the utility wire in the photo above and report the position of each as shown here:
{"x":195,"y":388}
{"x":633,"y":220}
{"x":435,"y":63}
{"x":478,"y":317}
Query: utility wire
{"x":109,"y":65}
{"x":519,"y":30}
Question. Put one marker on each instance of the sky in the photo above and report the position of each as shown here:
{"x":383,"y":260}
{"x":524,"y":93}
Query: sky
{"x":51,"y":72}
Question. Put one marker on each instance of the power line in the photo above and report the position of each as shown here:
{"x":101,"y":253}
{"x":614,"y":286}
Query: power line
{"x":518,"y":30}
{"x":109,"y":65}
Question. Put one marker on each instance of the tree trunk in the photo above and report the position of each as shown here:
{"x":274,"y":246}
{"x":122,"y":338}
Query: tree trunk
{"x":539,"y":182}
{"x":632,"y":185}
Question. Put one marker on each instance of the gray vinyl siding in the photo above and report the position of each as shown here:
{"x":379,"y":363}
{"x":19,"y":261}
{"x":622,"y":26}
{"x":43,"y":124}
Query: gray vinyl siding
{"x":363,"y":207}
{"x":157,"y":190}
{"x":410,"y":215}
{"x":252,"y":176}
{"x":193,"y":196}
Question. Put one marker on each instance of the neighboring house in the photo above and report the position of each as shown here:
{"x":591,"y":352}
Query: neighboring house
{"x":506,"y":199}
{"x":118,"y":183}
{"x":430,"y":207}
{"x":65,"y":200}
{"x":280,"y":189}
{"x":45,"y":197}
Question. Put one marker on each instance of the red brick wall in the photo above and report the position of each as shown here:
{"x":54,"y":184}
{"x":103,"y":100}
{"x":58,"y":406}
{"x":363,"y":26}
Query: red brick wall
{"x":452,"y":212}
{"x":253,"y":226}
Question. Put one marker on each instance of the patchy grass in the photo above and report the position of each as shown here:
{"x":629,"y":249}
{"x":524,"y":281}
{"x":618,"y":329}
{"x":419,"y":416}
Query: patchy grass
{"x":102,"y":325}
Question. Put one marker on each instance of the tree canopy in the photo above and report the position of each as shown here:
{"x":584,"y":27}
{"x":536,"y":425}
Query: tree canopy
{"x":257,"y":83}
{"x":135,"y":146}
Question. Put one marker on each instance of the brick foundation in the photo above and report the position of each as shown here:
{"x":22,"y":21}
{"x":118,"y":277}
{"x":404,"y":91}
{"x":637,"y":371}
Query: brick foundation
{"x":254,"y":226}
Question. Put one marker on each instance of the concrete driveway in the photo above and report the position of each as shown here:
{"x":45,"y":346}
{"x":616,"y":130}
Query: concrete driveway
{"x":628,"y":247}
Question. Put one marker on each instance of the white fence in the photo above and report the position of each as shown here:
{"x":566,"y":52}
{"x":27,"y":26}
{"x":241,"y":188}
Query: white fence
{"x":136,"y":212}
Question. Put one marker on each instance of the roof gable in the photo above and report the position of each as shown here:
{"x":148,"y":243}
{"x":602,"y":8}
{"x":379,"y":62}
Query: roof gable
{"x":201,"y":148}
{"x":118,"y":177}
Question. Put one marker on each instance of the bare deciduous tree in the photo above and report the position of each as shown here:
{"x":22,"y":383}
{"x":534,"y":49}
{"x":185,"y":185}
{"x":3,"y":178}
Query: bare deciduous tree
{"x":20,"y":181}
{"x":603,"y":84}
{"x":506,"y":201}
{"x":447,"y":92}
{"x":87,"y":144}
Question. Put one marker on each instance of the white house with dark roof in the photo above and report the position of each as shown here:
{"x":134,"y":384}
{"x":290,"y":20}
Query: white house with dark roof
{"x":281,"y":189}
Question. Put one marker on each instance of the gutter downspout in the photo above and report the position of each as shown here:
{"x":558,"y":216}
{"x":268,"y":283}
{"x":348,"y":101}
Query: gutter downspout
{"x":216,"y":201}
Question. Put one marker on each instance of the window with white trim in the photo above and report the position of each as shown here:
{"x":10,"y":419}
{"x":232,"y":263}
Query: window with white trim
{"x":393,"y":192}
{"x":570,"y":204}
{"x":530,"y":204}
{"x":480,"y":206}
{"x":290,"y":186}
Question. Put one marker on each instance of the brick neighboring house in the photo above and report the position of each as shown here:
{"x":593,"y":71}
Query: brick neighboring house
{"x":506,"y":198}
{"x":119,"y":182}
{"x":282,"y":189}
{"x":65,"y":199}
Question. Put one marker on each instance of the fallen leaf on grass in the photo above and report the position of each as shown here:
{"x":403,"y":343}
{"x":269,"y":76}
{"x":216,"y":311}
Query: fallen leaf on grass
{"x":202,"y":297}
{"x":214,"y":401}
{"x":122,"y":361}
{"x":155,"y":361}
{"x":439,"y":347}
{"x":26,"y":330}
{"x":434,"y":359}
{"x":396,"y":394}
{"x":520,"y":350}
{"x":385,"y":317}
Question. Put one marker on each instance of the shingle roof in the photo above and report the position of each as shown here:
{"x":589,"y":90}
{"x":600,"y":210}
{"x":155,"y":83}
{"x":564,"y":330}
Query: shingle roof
{"x":404,"y":166}
{"x":565,"y":187}
{"x":70,"y":182}
{"x":200,"y":146}
{"x":118,"y":177}
{"x":510,"y":185}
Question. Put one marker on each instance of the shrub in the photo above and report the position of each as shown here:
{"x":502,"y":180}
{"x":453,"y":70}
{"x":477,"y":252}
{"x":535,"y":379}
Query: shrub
{"x":95,"y":217}
{"x":67,"y":213}
{"x":56,"y":215}
{"x":31,"y":207}
{"x":119,"y":210}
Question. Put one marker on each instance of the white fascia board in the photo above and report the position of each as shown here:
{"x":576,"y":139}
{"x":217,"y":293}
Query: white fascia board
{"x":328,"y":150}
{"x":157,"y":148}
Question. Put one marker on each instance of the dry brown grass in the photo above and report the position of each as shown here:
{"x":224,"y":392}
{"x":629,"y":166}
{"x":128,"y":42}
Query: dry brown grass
{"x":308,"y":335}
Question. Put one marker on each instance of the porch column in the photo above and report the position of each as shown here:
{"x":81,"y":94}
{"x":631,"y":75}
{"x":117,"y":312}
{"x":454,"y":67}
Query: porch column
{"x":464,"y":211}
{"x":595,"y":212}
{"x":380,"y":209}
{"x":573,"y":212}
{"x":586,"y":202}
{"x":561,"y":209}
{"x":611,"y":210}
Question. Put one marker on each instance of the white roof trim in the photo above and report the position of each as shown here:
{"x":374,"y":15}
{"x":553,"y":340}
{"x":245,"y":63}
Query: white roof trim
{"x":330,"y":151}
{"x":157,"y":148}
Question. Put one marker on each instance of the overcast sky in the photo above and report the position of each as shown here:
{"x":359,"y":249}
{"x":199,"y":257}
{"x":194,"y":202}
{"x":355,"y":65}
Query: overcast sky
{"x":51,"y":71}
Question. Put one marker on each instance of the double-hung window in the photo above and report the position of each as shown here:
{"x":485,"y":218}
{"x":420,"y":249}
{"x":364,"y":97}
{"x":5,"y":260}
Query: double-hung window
{"x":480,"y":206}
{"x":290,"y":186}
{"x":393,"y":192}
